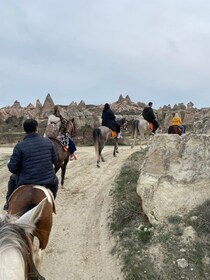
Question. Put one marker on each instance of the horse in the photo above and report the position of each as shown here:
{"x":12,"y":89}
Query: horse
{"x":175,"y":129}
{"x":140,"y":127}
{"x":16,"y":250}
{"x":63,"y":156}
{"x":100,"y":136}
{"x":23,"y":199}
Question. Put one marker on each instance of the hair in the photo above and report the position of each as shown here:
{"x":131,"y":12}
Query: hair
{"x":150,"y":104}
{"x":30,"y":125}
{"x":106,"y":106}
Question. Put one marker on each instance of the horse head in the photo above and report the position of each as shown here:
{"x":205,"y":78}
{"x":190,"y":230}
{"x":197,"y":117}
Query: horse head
{"x":68,"y":126}
{"x":16,"y":245}
{"x":123,"y":123}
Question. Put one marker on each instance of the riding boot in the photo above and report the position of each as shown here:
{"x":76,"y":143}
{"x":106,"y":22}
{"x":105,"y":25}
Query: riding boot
{"x":54,"y":186}
{"x":10,"y":189}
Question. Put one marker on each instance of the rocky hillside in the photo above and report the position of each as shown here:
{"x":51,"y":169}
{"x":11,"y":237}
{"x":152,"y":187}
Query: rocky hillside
{"x":89,"y":116}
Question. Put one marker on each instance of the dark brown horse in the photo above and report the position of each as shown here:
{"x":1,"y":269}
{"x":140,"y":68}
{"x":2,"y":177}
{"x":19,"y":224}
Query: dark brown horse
{"x":175,"y":129}
{"x":101,"y":135}
{"x":63,"y":156}
{"x":23,"y":199}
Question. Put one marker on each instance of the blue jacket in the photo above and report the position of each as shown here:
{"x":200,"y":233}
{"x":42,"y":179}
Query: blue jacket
{"x":32,"y":161}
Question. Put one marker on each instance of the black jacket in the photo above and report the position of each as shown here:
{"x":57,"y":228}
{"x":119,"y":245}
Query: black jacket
{"x":108,"y":119}
{"x":148,"y":114}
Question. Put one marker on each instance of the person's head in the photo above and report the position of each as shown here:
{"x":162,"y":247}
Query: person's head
{"x":56,"y":111}
{"x":150,"y":104}
{"x":30,"y":126}
{"x":106,"y":106}
{"x":177,"y":115}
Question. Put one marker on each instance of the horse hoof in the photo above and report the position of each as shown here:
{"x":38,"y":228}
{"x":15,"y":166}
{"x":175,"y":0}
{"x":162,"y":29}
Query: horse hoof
{"x":98,"y":165}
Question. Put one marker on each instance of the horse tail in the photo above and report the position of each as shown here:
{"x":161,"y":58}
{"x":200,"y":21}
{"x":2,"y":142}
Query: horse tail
{"x":135,"y":128}
{"x":96,"y":135}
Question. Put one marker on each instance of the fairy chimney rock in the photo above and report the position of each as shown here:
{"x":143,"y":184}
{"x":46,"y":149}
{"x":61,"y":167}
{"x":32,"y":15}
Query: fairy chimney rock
{"x":30,"y":106}
{"x":81,"y":105}
{"x":120,"y":99}
{"x":47,"y":106}
{"x":16,"y":105}
{"x":38,"y":107}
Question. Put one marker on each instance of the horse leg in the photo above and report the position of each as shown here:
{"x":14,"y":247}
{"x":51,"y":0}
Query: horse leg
{"x":115,"y":147}
{"x":63,"y":170}
{"x":100,"y":152}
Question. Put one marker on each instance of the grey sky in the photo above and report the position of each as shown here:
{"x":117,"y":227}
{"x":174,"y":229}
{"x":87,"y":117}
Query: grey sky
{"x":95,"y":50}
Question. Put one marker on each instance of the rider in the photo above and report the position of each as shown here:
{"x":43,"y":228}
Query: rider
{"x":108,"y":119}
{"x":32,"y":161}
{"x":177,"y":121}
{"x":149,"y":115}
{"x":65,"y":139}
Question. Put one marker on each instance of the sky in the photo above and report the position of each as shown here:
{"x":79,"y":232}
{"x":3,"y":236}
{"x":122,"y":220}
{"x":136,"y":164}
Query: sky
{"x":97,"y":50}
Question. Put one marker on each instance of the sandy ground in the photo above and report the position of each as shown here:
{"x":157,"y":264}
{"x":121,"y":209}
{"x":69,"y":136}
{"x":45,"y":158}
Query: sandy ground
{"x":80,"y":243}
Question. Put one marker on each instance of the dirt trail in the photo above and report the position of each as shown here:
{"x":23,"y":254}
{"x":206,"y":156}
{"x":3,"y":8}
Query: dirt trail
{"x":80,"y":243}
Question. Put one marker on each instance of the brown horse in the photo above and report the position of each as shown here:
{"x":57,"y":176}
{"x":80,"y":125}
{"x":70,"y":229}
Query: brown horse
{"x":175,"y":129}
{"x":63,"y":156}
{"x":101,"y":135}
{"x":23,"y":199}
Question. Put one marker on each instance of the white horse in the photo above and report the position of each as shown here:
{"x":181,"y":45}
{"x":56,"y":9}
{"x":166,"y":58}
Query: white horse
{"x":140,"y":127}
{"x":16,"y":253}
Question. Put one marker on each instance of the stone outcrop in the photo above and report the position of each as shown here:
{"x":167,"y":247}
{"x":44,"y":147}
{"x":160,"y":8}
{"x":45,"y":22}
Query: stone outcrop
{"x":175,"y":176}
{"x":47,"y":106}
{"x":196,"y":120}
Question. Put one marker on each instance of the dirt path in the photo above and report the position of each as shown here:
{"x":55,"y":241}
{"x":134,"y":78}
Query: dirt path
{"x":80,"y":244}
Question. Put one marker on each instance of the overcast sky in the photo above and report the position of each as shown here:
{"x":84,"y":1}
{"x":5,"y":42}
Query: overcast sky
{"x":95,"y":50}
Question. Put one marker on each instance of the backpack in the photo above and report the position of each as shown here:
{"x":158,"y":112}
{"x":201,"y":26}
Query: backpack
{"x":51,"y":130}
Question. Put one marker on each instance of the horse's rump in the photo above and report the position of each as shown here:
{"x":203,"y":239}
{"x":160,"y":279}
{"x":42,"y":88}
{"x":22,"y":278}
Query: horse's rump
{"x":174,"y":129}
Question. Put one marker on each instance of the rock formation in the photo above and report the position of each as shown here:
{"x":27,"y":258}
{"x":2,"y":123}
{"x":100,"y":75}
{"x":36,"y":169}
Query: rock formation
{"x":175,"y":176}
{"x":87,"y":115}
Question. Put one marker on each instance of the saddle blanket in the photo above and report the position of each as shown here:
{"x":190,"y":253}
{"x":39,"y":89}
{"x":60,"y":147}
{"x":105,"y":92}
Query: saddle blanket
{"x":151,"y":126}
{"x":113,"y":134}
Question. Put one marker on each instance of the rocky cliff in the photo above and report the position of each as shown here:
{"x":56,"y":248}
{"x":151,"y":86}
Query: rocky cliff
{"x":89,"y":116}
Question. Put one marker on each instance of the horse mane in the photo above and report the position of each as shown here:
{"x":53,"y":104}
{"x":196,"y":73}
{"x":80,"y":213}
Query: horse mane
{"x":14,"y":236}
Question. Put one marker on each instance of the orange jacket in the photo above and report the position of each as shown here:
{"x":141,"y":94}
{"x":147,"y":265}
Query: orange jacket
{"x":176,"y":121}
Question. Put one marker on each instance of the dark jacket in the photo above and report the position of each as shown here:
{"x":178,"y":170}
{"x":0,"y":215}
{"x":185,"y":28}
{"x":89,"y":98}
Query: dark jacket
{"x":148,"y":114}
{"x":108,"y":119}
{"x":32,"y":161}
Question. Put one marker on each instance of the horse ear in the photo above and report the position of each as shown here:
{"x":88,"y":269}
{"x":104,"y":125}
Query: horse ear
{"x":31,"y":217}
{"x":72,"y":119}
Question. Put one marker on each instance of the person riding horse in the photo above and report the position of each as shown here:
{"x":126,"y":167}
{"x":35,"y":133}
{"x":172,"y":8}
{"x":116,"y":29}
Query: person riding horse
{"x":177,"y":121}
{"x":32,"y":161}
{"x":64,"y":138}
{"x":109,"y":120}
{"x":149,"y":116}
